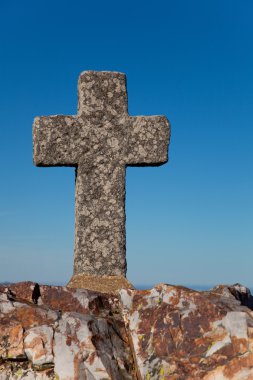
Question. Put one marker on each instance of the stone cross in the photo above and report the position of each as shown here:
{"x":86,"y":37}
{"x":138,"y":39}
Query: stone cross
{"x":100,"y":141}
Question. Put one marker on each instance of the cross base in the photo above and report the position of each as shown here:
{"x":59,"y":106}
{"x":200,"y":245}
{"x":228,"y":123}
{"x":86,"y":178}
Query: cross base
{"x":102,"y":284}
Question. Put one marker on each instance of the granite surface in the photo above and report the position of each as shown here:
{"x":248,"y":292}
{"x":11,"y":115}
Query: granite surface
{"x":100,"y":141}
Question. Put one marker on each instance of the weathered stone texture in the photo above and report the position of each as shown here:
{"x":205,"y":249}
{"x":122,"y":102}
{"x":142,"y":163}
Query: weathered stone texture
{"x":166,"y":333}
{"x":38,"y":343}
{"x":69,"y":335}
{"x":180,"y":334}
{"x":103,"y":284}
{"x":100,"y":141}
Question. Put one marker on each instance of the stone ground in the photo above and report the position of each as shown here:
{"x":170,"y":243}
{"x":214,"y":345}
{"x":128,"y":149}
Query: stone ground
{"x":165,"y":333}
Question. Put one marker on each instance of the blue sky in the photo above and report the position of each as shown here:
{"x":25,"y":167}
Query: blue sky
{"x":189,"y":221}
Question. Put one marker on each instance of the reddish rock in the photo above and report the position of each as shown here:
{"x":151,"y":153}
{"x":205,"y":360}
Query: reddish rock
{"x":63,"y":298}
{"x":166,"y":333}
{"x":11,"y":341}
{"x":38,"y":345}
{"x":178,"y":333}
{"x":70,"y":335}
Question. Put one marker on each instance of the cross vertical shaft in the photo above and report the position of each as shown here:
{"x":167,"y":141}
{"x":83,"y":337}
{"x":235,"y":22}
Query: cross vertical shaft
{"x":100,"y":220}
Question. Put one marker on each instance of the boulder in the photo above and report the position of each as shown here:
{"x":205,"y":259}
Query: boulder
{"x":178,"y":333}
{"x":70,"y":334}
{"x":165,"y":333}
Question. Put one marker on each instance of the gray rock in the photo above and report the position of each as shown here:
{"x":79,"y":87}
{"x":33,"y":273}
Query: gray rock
{"x":100,"y":141}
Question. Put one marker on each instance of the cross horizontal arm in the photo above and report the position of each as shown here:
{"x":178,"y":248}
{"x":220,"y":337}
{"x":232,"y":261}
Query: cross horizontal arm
{"x":54,"y":140}
{"x":148,"y":139}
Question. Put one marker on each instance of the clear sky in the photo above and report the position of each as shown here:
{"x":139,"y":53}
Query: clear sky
{"x":189,"y":221}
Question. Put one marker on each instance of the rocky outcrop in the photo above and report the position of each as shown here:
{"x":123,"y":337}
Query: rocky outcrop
{"x":166,"y":333}
{"x":178,"y":333}
{"x":68,"y":335}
